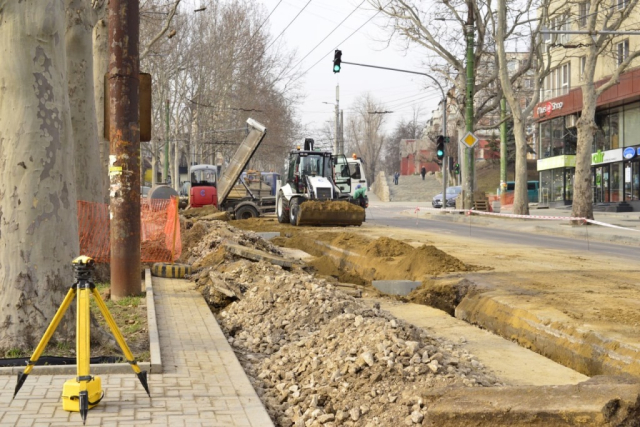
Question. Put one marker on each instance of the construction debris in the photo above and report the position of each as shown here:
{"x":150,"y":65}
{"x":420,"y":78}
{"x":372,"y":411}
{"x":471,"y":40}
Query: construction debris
{"x":316,"y":355}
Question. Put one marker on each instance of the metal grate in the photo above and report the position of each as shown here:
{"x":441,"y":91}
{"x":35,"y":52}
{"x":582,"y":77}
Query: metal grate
{"x":324,"y":193}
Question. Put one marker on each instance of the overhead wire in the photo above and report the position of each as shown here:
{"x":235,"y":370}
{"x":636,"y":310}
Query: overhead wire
{"x":288,"y":25}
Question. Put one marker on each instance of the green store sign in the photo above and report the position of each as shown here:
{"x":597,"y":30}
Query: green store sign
{"x":568,"y":161}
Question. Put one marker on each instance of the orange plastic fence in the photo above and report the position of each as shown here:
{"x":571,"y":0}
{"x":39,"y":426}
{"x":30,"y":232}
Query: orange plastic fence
{"x":507,"y":203}
{"x":159,"y":230}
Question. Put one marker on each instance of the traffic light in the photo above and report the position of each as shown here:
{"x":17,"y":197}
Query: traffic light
{"x":440,"y":148}
{"x":337,"y":59}
{"x":446,"y":139}
{"x":456,"y":169}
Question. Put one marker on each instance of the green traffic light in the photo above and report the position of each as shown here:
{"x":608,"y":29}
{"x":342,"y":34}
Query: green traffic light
{"x":336,"y":68}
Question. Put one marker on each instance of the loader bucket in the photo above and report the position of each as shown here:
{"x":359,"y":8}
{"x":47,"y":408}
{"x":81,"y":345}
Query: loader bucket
{"x":330,"y":212}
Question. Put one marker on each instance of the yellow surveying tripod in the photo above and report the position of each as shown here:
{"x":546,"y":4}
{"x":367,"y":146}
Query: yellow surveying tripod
{"x":85,"y":391}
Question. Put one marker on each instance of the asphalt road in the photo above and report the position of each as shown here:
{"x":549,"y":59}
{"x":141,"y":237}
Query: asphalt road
{"x":390,"y":216}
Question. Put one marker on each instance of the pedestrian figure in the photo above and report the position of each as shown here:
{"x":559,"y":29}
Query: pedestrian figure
{"x":396,"y":176}
{"x":423,"y":172}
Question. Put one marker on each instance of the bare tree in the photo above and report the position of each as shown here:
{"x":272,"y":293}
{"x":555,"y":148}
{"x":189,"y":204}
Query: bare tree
{"x":597,"y":49}
{"x":38,"y":226}
{"x":364,"y":134}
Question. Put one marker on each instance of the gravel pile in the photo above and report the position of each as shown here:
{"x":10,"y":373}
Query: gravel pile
{"x":317,"y":356}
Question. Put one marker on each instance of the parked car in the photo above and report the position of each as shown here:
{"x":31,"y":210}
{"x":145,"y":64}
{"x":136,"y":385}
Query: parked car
{"x":452,"y":195}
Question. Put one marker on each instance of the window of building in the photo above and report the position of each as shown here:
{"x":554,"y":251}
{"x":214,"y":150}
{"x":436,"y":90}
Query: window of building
{"x":557,"y":141}
{"x":601,"y":139}
{"x":615,"y":128}
{"x":622,"y":49}
{"x":583,"y":65}
{"x":583,"y":11}
{"x":622,"y":4}
{"x":565,"y":78}
{"x":528,"y":83}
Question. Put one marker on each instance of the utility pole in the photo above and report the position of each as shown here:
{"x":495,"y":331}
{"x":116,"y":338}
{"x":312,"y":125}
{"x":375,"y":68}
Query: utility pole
{"x":124,"y":158}
{"x":341,"y":131}
{"x":445,"y":162}
{"x":165,"y":171}
{"x":336,"y":141}
{"x":503,"y":152}
{"x":469,"y":166}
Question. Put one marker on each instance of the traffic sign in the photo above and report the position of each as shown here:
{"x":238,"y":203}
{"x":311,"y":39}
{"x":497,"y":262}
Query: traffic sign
{"x":469,"y":139}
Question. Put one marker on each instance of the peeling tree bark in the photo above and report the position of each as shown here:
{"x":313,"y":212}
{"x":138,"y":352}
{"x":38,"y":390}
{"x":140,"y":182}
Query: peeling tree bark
{"x":38,"y":225}
{"x":89,"y":177}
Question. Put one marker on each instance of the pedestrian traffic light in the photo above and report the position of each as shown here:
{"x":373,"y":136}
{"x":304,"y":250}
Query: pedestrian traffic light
{"x":337,"y":59}
{"x":440,"y":149}
{"x":456,"y":169}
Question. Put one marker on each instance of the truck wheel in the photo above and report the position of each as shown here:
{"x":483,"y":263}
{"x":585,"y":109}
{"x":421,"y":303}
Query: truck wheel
{"x":294,"y":210}
{"x":247,"y":212}
{"x":283,"y":218}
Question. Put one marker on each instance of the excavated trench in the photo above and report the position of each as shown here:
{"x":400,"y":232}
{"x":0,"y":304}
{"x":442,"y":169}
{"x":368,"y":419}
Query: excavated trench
{"x":466,"y":292}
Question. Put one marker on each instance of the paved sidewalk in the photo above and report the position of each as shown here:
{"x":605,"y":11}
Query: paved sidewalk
{"x":202,"y":383}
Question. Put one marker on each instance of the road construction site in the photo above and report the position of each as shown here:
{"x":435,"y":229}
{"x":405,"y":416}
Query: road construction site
{"x":494,"y":334}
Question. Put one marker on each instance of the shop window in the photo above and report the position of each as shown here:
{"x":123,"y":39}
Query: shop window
{"x":617,"y":183}
{"x":545,"y":187}
{"x":570,"y":140}
{"x":615,"y":127}
{"x":557,"y":144}
{"x":557,"y":185}
{"x":601,"y":137}
{"x":568,"y":183}
{"x":631,"y":128}
{"x":545,"y":139}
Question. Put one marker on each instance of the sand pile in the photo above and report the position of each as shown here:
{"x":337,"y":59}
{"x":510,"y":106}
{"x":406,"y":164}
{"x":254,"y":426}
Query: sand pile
{"x":387,"y":247}
{"x":330,"y":206}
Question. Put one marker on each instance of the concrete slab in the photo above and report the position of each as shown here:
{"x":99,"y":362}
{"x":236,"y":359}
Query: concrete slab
{"x":296,"y":254}
{"x":604,"y":401}
{"x":514,"y":365}
{"x":257,"y":255}
{"x":395,"y":287}
{"x":268,"y":235}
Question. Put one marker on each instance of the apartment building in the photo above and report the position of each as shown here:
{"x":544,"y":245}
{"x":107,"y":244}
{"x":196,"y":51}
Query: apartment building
{"x":616,"y":148}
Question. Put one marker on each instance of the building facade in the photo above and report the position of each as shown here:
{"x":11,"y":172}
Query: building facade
{"x":615,"y":162}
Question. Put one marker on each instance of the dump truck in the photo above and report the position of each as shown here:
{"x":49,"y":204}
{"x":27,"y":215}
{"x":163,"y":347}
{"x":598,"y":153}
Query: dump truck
{"x":317,"y":190}
{"x":207,"y":188}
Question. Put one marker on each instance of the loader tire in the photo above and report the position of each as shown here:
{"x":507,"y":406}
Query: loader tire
{"x":294,"y":211}
{"x":171,"y":271}
{"x":283,"y":217}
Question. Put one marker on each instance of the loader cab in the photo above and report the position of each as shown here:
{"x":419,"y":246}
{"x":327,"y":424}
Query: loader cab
{"x":342,"y":173}
{"x":307,"y":163}
{"x":203,"y":190}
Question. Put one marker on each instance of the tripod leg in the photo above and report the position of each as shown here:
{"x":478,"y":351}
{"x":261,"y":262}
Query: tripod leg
{"x":45,"y":338}
{"x":142,"y":375}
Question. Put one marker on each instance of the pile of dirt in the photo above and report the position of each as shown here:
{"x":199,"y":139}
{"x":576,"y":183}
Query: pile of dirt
{"x":199,"y":212}
{"x":442,"y":294}
{"x":316,"y":355}
{"x":387,"y":247}
{"x":429,"y":260}
{"x":202,"y":238}
{"x":329,"y":206}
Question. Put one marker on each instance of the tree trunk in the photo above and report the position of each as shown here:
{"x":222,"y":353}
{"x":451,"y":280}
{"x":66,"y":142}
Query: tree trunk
{"x":38,"y":213}
{"x":89,"y":185}
{"x":100,"y":66}
{"x":520,"y":196}
{"x":582,"y":185}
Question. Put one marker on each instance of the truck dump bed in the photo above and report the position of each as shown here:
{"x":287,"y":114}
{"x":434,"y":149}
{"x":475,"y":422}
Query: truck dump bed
{"x":240,"y":159}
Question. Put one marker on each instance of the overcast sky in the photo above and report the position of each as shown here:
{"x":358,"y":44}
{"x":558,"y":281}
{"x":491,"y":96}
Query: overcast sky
{"x":397,"y":91}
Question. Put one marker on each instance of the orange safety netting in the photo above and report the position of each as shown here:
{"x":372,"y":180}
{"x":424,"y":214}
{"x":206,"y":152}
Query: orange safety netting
{"x":159,"y":230}
{"x":507,"y":203}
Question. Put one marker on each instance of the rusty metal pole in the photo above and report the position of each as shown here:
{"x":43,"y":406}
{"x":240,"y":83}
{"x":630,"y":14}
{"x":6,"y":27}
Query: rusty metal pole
{"x":124,"y":158}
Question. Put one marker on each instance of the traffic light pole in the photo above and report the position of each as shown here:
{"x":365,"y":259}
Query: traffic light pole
{"x":469,"y":164}
{"x":336,"y":140}
{"x":444,"y":116}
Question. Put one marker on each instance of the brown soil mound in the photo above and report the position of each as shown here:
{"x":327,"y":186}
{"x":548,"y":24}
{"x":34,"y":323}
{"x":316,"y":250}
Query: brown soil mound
{"x":199,"y":212}
{"x":350,"y":241}
{"x":387,"y":247}
{"x":429,"y":260}
{"x":330,"y":206}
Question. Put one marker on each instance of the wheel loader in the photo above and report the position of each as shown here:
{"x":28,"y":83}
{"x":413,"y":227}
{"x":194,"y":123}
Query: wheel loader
{"x":311,"y":194}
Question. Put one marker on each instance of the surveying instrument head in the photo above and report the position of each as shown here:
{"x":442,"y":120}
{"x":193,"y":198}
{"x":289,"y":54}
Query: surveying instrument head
{"x":84,"y":391}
